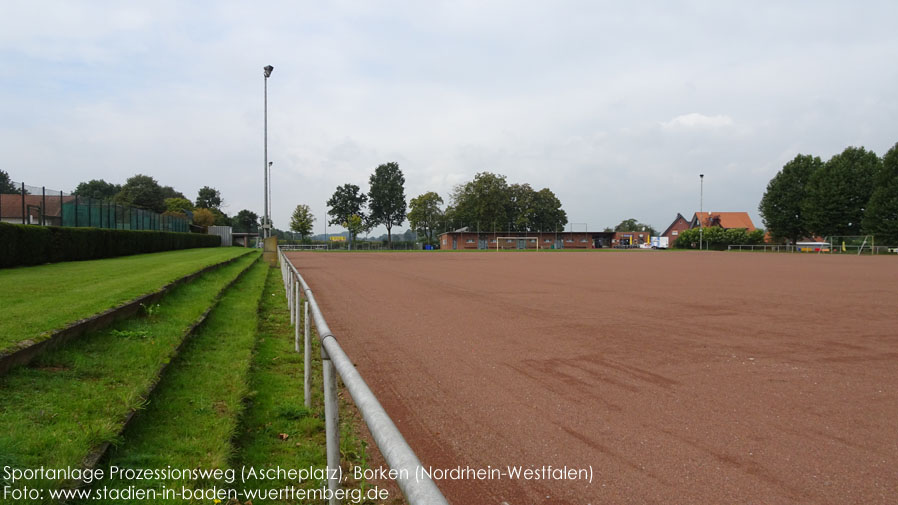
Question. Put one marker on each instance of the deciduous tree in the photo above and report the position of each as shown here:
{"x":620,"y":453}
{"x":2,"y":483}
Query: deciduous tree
{"x":838,"y":193}
{"x":634,"y":225}
{"x":346,"y":201}
{"x":881,"y":218}
{"x":425,"y":214}
{"x":142,"y":191}
{"x":246,"y":221}
{"x":302,"y":220}
{"x":178,"y":205}
{"x":781,"y":205}
{"x":97,"y":189}
{"x":208,"y":198}
{"x":6,"y":185}
{"x":203,"y":217}
{"x":386,"y":198}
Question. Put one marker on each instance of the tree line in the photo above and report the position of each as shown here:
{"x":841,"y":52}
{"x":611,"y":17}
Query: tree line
{"x":853,"y":193}
{"x":487,"y":203}
{"x":145,"y":192}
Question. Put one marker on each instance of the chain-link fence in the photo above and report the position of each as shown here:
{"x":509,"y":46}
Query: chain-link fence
{"x":49,"y":207}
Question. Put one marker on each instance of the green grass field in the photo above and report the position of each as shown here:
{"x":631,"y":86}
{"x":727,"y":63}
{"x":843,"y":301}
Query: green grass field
{"x":230,"y":396}
{"x":74,"y":398}
{"x":40,"y":299}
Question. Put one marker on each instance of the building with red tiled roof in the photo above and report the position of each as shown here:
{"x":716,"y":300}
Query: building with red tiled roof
{"x":725,"y":220}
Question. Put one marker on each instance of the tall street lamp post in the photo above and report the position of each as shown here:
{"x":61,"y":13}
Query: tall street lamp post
{"x":701,"y":210}
{"x":266,"y":226}
{"x":270,"y":163}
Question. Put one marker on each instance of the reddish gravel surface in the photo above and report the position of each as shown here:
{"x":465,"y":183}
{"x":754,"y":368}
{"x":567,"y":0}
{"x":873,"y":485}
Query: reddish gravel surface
{"x":677,"y":377}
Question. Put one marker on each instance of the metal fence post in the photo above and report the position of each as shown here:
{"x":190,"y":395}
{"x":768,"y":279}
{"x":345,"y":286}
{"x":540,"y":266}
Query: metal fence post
{"x":296,"y":326}
{"x":331,"y":424}
{"x":307,"y":358}
{"x":23,"y":203}
{"x":291,"y":291}
{"x":43,"y":205}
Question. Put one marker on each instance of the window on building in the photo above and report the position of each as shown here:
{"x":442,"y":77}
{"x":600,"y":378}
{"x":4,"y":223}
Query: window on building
{"x":469,"y":241}
{"x":675,"y":233}
{"x":583,"y":240}
{"x":547,"y":241}
{"x":493,"y":241}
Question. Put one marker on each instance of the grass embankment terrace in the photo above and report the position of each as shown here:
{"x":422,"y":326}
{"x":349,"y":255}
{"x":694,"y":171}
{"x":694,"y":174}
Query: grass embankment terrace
{"x":194,"y":412}
{"x":74,"y":399}
{"x":233,"y":399}
{"x":40,"y":299}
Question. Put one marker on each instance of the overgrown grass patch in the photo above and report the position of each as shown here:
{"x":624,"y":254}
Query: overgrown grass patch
{"x":40,"y":299}
{"x":74,"y":398}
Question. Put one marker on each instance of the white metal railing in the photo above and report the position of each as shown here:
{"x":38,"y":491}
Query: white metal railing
{"x":417,"y":486}
{"x":304,"y":247}
{"x":762,"y":247}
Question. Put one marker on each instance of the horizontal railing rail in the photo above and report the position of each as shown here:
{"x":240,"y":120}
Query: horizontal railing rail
{"x":415,"y":484}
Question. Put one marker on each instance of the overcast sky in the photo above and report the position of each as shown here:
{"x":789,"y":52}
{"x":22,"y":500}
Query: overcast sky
{"x":615,"y":106}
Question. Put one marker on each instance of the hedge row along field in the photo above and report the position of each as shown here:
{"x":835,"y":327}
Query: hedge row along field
{"x":34,"y":245}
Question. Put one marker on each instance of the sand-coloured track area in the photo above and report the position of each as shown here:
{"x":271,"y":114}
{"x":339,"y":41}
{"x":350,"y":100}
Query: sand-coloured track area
{"x":677,"y":377}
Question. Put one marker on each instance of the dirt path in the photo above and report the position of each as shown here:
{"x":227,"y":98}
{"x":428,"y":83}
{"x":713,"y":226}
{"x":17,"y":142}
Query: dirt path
{"x":677,"y":377}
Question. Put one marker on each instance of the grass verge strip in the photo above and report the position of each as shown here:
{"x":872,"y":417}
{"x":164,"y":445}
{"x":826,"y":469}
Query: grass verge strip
{"x":23,"y":352}
{"x":38,"y":300}
{"x":74,"y":399}
{"x":194,"y":412}
{"x":277,"y":430}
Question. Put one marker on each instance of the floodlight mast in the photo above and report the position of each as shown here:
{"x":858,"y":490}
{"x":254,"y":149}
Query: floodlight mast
{"x":701,"y":204}
{"x":266,"y":225}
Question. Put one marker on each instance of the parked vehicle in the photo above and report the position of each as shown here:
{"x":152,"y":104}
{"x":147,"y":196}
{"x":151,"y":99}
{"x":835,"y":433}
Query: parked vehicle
{"x":660,"y":242}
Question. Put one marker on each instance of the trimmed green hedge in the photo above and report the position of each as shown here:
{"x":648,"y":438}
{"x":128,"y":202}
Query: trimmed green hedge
{"x":22,"y":244}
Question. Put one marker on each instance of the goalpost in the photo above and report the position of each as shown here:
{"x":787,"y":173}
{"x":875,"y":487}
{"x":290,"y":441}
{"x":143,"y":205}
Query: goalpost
{"x":500,"y":239}
{"x":851,"y":244}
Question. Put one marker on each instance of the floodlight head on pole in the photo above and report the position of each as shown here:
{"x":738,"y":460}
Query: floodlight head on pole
{"x":268,"y":69}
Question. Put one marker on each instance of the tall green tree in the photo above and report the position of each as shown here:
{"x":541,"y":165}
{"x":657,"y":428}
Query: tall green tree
{"x":208,"y":198}
{"x":347,"y":200}
{"x":302,"y":220}
{"x":6,"y":185}
{"x":781,"y":205}
{"x":246,"y":221}
{"x":142,"y":191}
{"x":838,"y":193}
{"x":547,"y":214}
{"x":425,"y":214}
{"x":881,"y":218}
{"x":386,"y":198}
{"x":521,"y":207}
{"x":482,"y":203}
{"x":97,"y":189}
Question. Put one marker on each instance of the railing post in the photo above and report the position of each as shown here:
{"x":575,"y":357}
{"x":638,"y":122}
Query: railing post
{"x":290,"y":289}
{"x":332,"y":426}
{"x":296,"y":302}
{"x":307,"y":358}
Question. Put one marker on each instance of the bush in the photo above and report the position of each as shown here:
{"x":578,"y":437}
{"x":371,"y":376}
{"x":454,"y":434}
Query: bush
{"x":34,"y":245}
{"x":718,"y":238}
